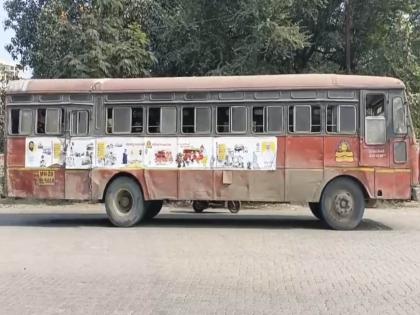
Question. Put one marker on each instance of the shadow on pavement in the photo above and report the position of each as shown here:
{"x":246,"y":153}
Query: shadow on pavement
{"x":180,"y":219}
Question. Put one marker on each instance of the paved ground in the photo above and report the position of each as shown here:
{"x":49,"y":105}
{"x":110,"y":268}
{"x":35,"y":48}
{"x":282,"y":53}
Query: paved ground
{"x":69,"y":260}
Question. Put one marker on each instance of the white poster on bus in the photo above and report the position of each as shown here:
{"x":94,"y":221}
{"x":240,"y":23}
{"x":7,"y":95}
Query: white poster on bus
{"x":44,"y":152}
{"x":120,"y":152}
{"x":194,"y":153}
{"x":160,"y":152}
{"x":245,"y":153}
{"x":80,"y":153}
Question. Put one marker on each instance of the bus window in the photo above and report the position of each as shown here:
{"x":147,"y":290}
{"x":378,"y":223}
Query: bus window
{"x":162,"y":120}
{"x":20,"y":121}
{"x":109,"y":120}
{"x":239,"y":119}
{"x":341,"y":119}
{"x":375,"y":124}
{"x":399,"y":116}
{"x":80,"y":123}
{"x":223,"y":119}
{"x":121,"y":121}
{"x":316,"y":119}
{"x":196,"y":120}
{"x":300,"y":118}
{"x":375,"y":105}
{"x":137,"y":120}
{"x":258,"y":119}
{"x":275,"y":118}
{"x":49,"y":121}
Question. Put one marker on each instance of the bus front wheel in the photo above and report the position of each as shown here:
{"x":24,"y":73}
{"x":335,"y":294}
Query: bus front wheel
{"x":153,"y":208}
{"x":342,"y":204}
{"x":124,"y":202}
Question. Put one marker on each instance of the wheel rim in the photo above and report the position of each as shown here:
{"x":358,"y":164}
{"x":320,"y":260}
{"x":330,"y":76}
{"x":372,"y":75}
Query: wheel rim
{"x":124,"y":201}
{"x":343,"y":204}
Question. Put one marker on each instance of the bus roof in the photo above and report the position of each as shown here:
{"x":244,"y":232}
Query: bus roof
{"x":215,"y":83}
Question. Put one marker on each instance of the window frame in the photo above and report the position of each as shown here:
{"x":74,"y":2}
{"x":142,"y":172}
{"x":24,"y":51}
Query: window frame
{"x":339,"y":132}
{"x":230,"y":119}
{"x":78,"y":112}
{"x":112,"y":107}
{"x":266,"y":107}
{"x":20,"y":133}
{"x":208,"y":132}
{"x":294,"y":119}
{"x":160,"y":122}
{"x":405,"y":117}
{"x":60,"y":110}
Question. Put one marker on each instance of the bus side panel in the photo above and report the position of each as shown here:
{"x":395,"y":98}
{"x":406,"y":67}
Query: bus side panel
{"x":40,"y":183}
{"x":249,"y":185}
{"x":78,"y":185}
{"x":195,"y":185}
{"x":161,"y":184}
{"x":15,"y":155}
{"x":304,"y":167}
{"x":393,"y":184}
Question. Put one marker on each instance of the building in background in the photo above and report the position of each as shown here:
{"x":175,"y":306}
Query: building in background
{"x":8,"y":71}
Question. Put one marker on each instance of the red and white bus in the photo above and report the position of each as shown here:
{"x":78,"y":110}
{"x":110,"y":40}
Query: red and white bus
{"x":333,"y":141}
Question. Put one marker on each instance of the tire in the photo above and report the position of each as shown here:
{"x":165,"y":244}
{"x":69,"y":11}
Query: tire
{"x":153,"y":208}
{"x":234,"y":206}
{"x":124,"y":202}
{"x":199,"y":206}
{"x":316,"y":210}
{"x":342,"y":204}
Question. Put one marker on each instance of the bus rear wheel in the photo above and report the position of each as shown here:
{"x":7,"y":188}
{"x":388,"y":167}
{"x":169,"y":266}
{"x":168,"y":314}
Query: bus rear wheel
{"x":316,"y":209}
{"x":124,"y":202}
{"x":153,"y":208}
{"x":342,"y":204}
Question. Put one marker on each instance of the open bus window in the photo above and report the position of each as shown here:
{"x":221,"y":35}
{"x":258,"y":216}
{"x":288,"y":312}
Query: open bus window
{"x":375,"y":105}
{"x":231,"y":119}
{"x":162,"y":120}
{"x":49,"y":121}
{"x":137,"y":120}
{"x":399,"y":116}
{"x":20,"y":121}
{"x":40,"y":120}
{"x":196,"y":119}
{"x":300,"y":118}
{"x":258,"y":119}
{"x":341,"y":119}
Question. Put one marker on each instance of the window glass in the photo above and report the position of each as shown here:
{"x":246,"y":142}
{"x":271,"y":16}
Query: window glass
{"x":53,"y":121}
{"x":315,"y":119}
{"x":82,"y":123}
{"x":14,"y":121}
{"x":258,"y":119}
{"x":375,"y":129}
{"x":347,"y":119}
{"x":399,"y":116}
{"x":202,"y":119}
{"x":301,"y":118}
{"x":275,"y":118}
{"x":26,"y":121}
{"x":332,"y":118}
{"x":168,"y":122}
{"x":238,"y":119}
{"x":154,"y":120}
{"x":122,"y":117}
{"x":223,"y":119}
{"x":109,"y":120}
{"x":137,"y":120}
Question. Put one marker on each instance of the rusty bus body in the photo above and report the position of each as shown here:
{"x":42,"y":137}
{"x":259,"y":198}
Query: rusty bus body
{"x":281,"y":138}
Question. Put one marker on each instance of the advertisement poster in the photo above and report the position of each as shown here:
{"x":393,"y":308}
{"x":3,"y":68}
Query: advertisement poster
{"x":80,"y":153}
{"x":194,"y":153}
{"x":160,"y":152}
{"x":245,"y":153}
{"x":44,"y":152}
{"x":120,"y":152}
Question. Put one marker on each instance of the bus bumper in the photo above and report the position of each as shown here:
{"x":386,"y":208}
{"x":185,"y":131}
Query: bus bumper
{"x":415,"y":193}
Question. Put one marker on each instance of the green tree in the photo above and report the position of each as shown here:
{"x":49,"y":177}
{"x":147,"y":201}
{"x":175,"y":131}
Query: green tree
{"x":78,"y":38}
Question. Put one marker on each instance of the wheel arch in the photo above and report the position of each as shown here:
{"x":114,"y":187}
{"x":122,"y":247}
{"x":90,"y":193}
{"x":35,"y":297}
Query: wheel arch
{"x":354,"y":179}
{"x":119,"y":175}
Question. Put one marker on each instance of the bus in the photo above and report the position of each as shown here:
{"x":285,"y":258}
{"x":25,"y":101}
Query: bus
{"x":335,"y":142}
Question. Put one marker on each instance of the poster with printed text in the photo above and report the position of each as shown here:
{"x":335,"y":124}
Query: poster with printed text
{"x":80,"y":153}
{"x":160,"y":152}
{"x":194,"y":153}
{"x":44,"y":152}
{"x":120,"y":152}
{"x":245,"y":153}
